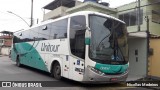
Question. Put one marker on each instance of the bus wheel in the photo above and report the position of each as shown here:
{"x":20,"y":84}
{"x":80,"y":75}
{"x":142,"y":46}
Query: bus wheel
{"x":57,"y":71}
{"x":18,"y":62}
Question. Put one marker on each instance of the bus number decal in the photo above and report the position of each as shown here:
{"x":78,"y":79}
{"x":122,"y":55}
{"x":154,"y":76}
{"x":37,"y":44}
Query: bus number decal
{"x":79,"y":70}
{"x":49,"y":48}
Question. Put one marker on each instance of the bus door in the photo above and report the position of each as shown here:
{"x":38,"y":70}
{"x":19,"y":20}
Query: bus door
{"x":78,"y":50}
{"x":77,"y":46}
{"x":80,"y":44}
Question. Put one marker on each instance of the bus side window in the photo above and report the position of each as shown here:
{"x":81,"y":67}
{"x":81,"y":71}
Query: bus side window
{"x":77,"y":36}
{"x":59,"y":29}
{"x":21,"y":37}
{"x":34,"y":34}
{"x":44,"y":32}
{"x":25,"y":36}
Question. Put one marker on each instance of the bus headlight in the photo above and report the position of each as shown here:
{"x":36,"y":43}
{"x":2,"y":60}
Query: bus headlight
{"x":127,"y":70}
{"x":95,"y":70}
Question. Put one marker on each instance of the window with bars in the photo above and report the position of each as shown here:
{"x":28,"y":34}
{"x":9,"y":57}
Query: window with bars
{"x":156,"y":16}
{"x":130,"y":18}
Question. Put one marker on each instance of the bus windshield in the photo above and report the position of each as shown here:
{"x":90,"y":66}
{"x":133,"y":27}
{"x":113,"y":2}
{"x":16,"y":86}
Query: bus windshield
{"x":108,"y":40}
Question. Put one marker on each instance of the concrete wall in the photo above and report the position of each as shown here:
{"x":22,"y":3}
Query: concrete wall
{"x":137,"y":57}
{"x":154,"y":60}
{"x":90,"y":6}
{"x":87,"y":6}
{"x":60,"y":11}
{"x":5,"y":50}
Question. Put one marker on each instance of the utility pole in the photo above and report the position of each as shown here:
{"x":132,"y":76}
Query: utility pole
{"x":31,"y":13}
{"x":148,"y":36}
{"x":139,"y":14}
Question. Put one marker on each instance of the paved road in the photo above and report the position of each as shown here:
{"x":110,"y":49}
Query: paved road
{"x":10,"y":72}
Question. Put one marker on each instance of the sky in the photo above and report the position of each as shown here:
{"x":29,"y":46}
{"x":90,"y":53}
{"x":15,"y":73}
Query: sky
{"x":10,"y":22}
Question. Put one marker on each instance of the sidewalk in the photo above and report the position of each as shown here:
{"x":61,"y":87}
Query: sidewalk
{"x":3,"y":55}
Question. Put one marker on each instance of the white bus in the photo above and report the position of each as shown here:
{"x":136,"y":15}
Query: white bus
{"x":85,"y":46}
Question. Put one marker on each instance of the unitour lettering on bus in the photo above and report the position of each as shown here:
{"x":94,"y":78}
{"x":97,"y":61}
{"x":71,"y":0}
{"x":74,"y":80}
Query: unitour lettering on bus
{"x":49,"y":48}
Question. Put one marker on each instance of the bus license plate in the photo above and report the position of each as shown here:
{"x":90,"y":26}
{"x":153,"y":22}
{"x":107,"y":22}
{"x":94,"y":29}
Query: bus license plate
{"x":113,"y":79}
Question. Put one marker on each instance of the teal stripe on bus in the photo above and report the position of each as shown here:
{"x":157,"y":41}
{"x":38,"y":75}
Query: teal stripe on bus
{"x":112,"y":69}
{"x":29,"y":56}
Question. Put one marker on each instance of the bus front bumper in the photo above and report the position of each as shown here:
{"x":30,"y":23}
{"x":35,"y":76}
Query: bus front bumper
{"x":91,"y":76}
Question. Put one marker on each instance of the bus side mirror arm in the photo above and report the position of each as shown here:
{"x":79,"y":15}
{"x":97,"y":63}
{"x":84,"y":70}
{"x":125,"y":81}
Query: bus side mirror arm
{"x":88,"y":28}
{"x":87,"y":35}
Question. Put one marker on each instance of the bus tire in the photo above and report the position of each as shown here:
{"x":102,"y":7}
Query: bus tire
{"x":18,"y":62}
{"x":56,"y":71}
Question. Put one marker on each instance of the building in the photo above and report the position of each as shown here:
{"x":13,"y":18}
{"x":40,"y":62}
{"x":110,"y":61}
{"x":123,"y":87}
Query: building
{"x":150,"y":8}
{"x":5,"y":42}
{"x":138,"y":38}
{"x":92,"y":6}
{"x":59,"y":8}
{"x":127,"y":13}
{"x":140,"y":45}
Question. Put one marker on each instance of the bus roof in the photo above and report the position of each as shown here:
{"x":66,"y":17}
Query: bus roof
{"x":97,"y":13}
{"x":74,"y":14}
{"x":82,"y":13}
